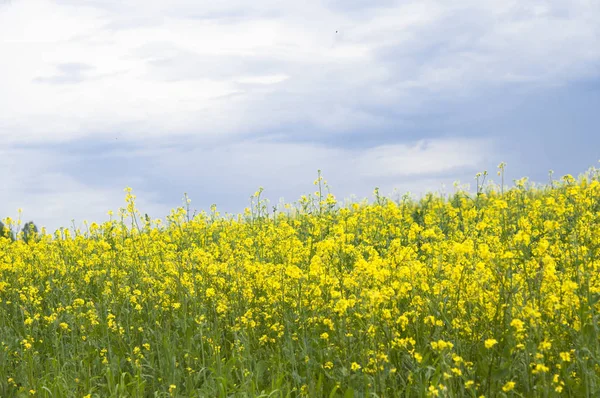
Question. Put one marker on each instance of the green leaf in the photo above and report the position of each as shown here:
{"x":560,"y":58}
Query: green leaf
{"x":334,"y":391}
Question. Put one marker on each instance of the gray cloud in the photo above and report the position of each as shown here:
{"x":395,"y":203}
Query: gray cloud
{"x":83,"y":181}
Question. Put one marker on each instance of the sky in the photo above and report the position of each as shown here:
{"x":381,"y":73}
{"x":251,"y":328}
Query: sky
{"x":217,"y":99}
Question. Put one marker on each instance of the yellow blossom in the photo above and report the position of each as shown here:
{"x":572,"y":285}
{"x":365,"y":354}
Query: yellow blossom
{"x":489,"y":343}
{"x":509,"y":386}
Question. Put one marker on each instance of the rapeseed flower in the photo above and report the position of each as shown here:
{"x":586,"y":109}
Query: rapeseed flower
{"x":275,"y":298}
{"x":489,"y":343}
{"x":509,"y":386}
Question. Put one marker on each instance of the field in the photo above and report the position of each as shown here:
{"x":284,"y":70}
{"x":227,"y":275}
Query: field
{"x":489,"y":294}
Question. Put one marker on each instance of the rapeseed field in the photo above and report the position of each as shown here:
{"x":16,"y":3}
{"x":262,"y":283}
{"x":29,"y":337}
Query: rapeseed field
{"x":493,"y":294}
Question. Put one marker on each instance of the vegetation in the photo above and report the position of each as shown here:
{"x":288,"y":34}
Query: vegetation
{"x":493,"y":294}
{"x":30,"y":231}
{"x":4,"y":231}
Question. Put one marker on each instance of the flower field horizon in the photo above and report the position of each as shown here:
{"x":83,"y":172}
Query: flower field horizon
{"x":493,"y":294}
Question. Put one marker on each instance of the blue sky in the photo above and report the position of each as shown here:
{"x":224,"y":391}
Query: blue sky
{"x":218,"y":98}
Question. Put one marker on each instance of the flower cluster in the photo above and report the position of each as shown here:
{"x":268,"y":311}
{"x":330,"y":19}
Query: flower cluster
{"x":497,"y":293}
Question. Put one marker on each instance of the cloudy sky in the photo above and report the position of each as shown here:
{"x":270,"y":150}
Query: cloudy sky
{"x":218,"y":98}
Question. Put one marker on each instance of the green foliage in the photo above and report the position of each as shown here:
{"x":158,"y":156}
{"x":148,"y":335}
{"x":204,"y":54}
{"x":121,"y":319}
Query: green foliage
{"x":30,"y":231}
{"x":5,"y":232}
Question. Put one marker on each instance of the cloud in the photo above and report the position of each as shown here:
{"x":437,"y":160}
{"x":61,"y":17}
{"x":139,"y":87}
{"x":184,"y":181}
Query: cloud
{"x":266,"y":79}
{"x":38,"y":182}
{"x":167,"y":66}
{"x":67,"y":73}
{"x":422,"y":158}
{"x":237,"y":94}
{"x":229,"y":173}
{"x":53,"y":186}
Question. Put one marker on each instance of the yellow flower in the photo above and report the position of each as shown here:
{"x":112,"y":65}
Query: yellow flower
{"x":433,"y":392}
{"x":518,"y":324}
{"x":489,"y":343}
{"x":509,"y":386}
{"x":441,"y":345}
{"x":379,"y":276}
{"x":540,"y":368}
{"x":456,"y":371}
{"x":545,"y":345}
{"x":565,"y":356}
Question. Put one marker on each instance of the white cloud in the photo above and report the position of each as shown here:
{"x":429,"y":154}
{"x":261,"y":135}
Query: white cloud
{"x":33,"y":181}
{"x":234,"y":171}
{"x":154,"y":73}
{"x":268,"y":79}
{"x":39,"y":180}
{"x":165,"y":67}
{"x":423,"y":158}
